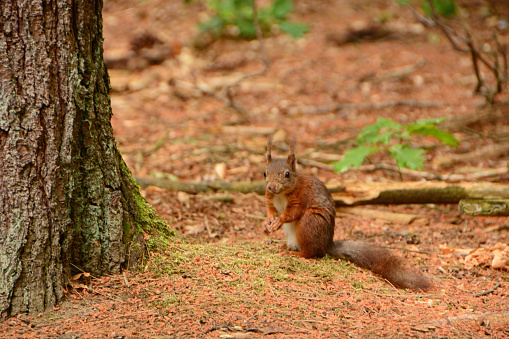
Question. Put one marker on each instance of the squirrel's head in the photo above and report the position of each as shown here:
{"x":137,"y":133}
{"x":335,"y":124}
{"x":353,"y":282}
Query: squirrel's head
{"x":280,"y":174}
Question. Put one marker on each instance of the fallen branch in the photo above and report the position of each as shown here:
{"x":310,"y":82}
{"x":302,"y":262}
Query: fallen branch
{"x":357,"y":193}
{"x":489,"y":207}
{"x":362,"y":193}
{"x":203,"y":187}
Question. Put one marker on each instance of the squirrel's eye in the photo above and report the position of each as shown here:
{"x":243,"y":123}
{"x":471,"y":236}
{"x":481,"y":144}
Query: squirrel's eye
{"x":264,"y":174}
{"x":287,"y":174}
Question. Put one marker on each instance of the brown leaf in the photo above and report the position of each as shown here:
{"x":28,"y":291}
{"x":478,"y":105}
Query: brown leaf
{"x":194,"y":229}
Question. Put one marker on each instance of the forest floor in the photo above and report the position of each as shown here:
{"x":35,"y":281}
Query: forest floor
{"x":222,"y":277}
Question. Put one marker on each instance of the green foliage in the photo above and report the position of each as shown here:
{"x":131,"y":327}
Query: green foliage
{"x":235,"y":18}
{"x":445,"y":8}
{"x":380,"y":137}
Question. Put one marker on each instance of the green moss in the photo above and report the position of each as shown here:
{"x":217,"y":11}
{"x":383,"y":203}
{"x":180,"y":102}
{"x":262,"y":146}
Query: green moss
{"x":147,"y":221}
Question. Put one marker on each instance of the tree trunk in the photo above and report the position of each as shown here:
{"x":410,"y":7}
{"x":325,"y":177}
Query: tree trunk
{"x":67,"y":201}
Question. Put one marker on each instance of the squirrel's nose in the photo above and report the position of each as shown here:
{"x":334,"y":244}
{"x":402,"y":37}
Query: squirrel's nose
{"x":273,"y":188}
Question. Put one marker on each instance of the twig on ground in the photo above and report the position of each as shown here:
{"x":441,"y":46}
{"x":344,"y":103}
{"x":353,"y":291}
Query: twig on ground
{"x":491,"y":290}
{"x":398,"y":73}
{"x":259,"y":217}
{"x":371,"y":106}
{"x":497,"y":228}
{"x":314,"y":163}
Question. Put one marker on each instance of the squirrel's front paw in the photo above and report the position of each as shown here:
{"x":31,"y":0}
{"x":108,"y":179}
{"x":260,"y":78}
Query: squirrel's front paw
{"x":272,"y":225}
{"x":267,"y":225}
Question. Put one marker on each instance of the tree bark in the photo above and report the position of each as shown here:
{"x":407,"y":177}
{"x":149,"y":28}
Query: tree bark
{"x":67,"y":201}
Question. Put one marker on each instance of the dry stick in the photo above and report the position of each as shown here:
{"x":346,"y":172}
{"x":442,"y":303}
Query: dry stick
{"x":491,"y":290}
{"x":253,"y":216}
{"x":372,"y":106}
{"x":497,"y":228}
{"x":395,"y":73}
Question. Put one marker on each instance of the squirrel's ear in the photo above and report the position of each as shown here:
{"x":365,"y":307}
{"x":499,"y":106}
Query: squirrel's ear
{"x":269,"y":157}
{"x":291,"y":157}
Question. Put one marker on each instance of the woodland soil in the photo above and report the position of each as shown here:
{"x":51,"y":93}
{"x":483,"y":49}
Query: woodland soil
{"x":224,"y":278}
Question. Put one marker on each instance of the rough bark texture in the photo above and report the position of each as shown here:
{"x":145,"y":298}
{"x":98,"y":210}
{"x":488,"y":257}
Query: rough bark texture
{"x":66,"y":199}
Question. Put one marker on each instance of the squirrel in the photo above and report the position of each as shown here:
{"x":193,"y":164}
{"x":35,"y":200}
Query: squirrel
{"x":303,"y":206}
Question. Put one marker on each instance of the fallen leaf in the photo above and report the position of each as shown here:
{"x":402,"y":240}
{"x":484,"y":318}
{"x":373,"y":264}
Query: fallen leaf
{"x":194,"y":229}
{"x":496,"y":256}
{"x":220,"y":170}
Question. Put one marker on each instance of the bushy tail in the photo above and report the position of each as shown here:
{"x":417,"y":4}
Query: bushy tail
{"x":381,"y":262}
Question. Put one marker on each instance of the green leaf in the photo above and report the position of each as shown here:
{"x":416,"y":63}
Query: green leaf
{"x":385,"y":137}
{"x":371,"y":134}
{"x":407,"y":156}
{"x":434,"y":131}
{"x":405,"y":134}
{"x":280,"y":8}
{"x":247,"y":29}
{"x":446,"y":8}
{"x":428,"y":121}
{"x":294,"y":28}
{"x":403,"y":2}
{"x":354,"y":157}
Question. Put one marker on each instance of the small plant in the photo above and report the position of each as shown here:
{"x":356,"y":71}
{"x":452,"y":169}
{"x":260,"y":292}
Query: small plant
{"x":234,"y":18}
{"x":445,"y":8}
{"x":380,"y":135}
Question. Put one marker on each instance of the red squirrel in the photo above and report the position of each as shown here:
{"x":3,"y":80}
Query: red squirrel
{"x":303,"y":206}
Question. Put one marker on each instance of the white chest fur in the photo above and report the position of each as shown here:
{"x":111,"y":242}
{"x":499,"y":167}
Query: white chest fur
{"x":280,"y":202}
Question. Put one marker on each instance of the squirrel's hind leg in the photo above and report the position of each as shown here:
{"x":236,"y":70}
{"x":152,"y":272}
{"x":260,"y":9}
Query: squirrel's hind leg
{"x":314,"y":234}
